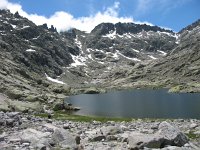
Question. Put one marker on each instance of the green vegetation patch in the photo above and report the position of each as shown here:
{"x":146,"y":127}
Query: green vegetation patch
{"x":60,"y":115}
{"x":176,"y":89}
{"x":66,"y":116}
{"x":192,"y":135}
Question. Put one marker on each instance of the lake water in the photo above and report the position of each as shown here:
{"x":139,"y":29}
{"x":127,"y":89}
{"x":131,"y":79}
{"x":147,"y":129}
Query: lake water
{"x":142,"y":103}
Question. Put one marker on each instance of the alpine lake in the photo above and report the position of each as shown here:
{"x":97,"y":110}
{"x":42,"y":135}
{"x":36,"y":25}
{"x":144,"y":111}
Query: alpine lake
{"x":138,"y":103}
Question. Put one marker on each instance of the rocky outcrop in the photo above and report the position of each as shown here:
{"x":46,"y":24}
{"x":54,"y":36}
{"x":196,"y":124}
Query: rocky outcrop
{"x":166,"y":135}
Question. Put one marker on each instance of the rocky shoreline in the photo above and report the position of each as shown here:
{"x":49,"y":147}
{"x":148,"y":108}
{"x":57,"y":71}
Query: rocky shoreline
{"x":27,"y":132}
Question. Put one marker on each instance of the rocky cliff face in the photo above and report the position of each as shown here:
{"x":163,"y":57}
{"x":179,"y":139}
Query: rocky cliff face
{"x":36,"y":60}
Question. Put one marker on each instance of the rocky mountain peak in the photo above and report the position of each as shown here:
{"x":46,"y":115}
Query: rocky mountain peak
{"x":190,"y":27}
{"x":123,"y":28}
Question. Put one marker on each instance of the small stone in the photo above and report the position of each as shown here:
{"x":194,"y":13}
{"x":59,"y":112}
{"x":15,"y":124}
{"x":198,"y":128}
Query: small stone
{"x":2,"y":138}
{"x":96,"y":122}
{"x":25,"y":144}
{"x":98,"y":138}
{"x":66,"y":126}
{"x":10,"y":122}
{"x":49,"y":121}
{"x":77,"y":139}
{"x":187,"y":145}
{"x":111,"y":138}
{"x":13,"y":114}
{"x":14,"y":140}
{"x":193,"y":126}
{"x":2,"y":122}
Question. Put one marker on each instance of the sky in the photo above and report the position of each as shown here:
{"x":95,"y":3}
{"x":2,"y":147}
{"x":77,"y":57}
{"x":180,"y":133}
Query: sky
{"x":86,"y":14}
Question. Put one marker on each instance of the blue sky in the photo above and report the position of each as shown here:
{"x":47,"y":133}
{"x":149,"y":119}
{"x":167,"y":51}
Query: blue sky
{"x":85,"y":14}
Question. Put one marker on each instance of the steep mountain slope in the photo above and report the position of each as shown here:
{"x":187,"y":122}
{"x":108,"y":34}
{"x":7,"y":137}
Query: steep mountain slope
{"x":29,"y":54}
{"x":180,"y":68}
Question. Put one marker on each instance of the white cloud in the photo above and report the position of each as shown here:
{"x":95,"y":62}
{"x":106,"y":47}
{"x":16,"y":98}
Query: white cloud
{"x":64,"y":21}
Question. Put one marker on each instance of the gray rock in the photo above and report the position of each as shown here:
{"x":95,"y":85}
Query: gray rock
{"x":64,"y":138}
{"x":12,"y":114}
{"x":111,"y":130}
{"x":10,"y":122}
{"x":98,"y":138}
{"x":37,"y":139}
{"x":172,"y":135}
{"x":67,"y":126}
{"x":167,"y":135}
{"x":139,"y":141}
{"x":2,"y":138}
{"x":111,"y":138}
{"x":2,"y":122}
{"x":193,"y":126}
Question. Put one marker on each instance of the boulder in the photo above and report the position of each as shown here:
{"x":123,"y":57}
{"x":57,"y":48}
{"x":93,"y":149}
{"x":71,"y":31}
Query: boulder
{"x":91,"y":90}
{"x":166,"y":135}
{"x":64,"y":138}
{"x":139,"y":141}
{"x":37,"y":139}
{"x":111,"y":130}
{"x":10,"y":122}
{"x":171,"y":135}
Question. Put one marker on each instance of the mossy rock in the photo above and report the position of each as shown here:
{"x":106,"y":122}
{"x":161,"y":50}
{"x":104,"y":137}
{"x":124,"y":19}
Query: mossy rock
{"x":58,"y":106}
{"x":33,"y":98}
{"x":23,"y":106}
{"x":4,"y":107}
{"x":14,"y":94}
{"x":176,"y":89}
{"x":61,"y":89}
{"x":93,"y":90}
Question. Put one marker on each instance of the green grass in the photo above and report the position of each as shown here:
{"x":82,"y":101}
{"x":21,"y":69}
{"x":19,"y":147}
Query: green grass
{"x":192,"y":135}
{"x":59,"y":115}
{"x":65,"y":116}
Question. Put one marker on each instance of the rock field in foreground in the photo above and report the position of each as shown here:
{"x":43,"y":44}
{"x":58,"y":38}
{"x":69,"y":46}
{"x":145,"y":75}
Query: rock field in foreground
{"x":25,"y":132}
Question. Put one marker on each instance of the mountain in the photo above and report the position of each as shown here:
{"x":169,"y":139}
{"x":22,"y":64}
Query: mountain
{"x":180,"y":68}
{"x":38,"y":64}
{"x":110,"y":45}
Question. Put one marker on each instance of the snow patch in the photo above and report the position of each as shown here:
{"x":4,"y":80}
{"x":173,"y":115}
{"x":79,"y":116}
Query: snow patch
{"x":162,"y":52}
{"x":100,"y":62}
{"x":36,"y":38}
{"x":30,"y":50}
{"x":88,"y":50}
{"x":90,"y":56}
{"x":24,"y":27}
{"x":111,"y":35}
{"x":78,"y":43}
{"x":115,"y":55}
{"x":135,"y":50}
{"x":177,"y":38}
{"x":78,"y":61}
{"x":126,"y":35}
{"x":152,"y":57}
{"x":53,"y":80}
{"x":98,"y":50}
{"x":14,"y":26}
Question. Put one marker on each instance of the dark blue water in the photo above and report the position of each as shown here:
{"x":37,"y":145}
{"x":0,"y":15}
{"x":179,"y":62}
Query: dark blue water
{"x":142,"y":103}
